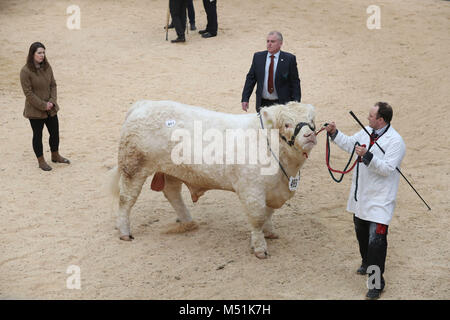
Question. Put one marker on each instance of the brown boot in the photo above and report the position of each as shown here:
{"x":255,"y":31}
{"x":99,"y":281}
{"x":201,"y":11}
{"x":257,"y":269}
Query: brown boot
{"x":43,"y":165}
{"x":57,"y":158}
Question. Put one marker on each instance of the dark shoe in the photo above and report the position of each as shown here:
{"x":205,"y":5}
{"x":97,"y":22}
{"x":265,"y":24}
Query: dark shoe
{"x":57,"y":158}
{"x":203,"y":31}
{"x":61,"y":160}
{"x":362,"y":269}
{"x":178,"y":40}
{"x":208,"y":35}
{"x":43,"y":165}
{"x":373,"y":294}
{"x":193,"y":27}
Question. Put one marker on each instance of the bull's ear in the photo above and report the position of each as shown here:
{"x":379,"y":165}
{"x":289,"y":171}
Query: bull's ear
{"x":269,"y":121}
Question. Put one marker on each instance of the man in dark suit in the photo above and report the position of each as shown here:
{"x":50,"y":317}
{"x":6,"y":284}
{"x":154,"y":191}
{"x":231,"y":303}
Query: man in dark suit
{"x":275,"y":73}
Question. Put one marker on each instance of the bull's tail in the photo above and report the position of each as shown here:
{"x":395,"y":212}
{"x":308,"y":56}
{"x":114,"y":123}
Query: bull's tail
{"x":113,"y":177}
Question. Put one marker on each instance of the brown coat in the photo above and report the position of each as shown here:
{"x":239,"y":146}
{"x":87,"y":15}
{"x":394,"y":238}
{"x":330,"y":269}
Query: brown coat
{"x":39,"y":88}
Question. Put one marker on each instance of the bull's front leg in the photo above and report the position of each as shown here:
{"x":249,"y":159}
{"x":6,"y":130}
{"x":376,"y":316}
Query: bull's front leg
{"x":268,"y":227}
{"x":255,"y":207}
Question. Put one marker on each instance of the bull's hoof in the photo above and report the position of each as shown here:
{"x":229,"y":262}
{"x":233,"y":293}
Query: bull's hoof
{"x":127,"y":238}
{"x":181,"y":227}
{"x":270,"y":235}
{"x":261,"y":254}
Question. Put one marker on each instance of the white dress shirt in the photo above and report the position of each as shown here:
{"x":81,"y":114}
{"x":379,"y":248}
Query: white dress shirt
{"x":265,"y":92}
{"x":380,"y":131}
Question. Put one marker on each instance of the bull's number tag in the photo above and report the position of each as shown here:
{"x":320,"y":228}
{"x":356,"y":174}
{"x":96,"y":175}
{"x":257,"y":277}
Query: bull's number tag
{"x":170,"y":123}
{"x":293,"y":183}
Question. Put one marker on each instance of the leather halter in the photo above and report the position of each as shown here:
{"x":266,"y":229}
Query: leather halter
{"x":298,"y":127}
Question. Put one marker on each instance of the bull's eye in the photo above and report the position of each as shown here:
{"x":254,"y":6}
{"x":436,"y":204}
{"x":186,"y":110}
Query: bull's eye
{"x":286,"y":125}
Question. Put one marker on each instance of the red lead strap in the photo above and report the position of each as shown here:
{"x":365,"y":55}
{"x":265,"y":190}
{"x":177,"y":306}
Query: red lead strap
{"x":327,"y":151}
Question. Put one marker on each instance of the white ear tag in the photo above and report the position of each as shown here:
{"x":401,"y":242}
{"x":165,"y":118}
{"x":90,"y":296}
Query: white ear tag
{"x":293,"y":182}
{"x":170,"y":123}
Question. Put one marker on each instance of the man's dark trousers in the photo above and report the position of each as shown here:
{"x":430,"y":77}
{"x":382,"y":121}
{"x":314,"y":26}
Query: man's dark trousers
{"x":372,"y":239}
{"x":178,"y":13}
{"x":211,"y":16}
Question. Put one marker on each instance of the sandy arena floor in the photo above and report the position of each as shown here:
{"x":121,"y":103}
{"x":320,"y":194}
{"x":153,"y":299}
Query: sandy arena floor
{"x":51,"y":220}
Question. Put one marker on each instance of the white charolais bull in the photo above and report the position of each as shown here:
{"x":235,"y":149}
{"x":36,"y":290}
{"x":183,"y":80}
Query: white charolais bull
{"x":147,"y":146}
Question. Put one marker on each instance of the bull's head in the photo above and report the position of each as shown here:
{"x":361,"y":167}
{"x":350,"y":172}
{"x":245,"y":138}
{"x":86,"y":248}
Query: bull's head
{"x":295,"y":122}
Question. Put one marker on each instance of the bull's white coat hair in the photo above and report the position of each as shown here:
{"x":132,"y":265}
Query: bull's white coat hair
{"x":145,"y":148}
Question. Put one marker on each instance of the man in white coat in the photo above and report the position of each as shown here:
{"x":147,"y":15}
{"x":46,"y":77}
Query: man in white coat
{"x":376,"y":184}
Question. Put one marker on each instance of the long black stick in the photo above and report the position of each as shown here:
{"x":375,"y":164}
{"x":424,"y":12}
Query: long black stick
{"x":362,"y":126}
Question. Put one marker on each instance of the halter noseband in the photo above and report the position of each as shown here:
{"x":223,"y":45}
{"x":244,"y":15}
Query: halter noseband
{"x":298,"y":127}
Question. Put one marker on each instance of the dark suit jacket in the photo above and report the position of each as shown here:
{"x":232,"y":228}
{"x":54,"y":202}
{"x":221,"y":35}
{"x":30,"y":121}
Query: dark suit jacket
{"x":287,"y":82}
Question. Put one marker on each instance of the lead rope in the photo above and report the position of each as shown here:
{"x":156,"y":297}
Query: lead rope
{"x":344,"y":171}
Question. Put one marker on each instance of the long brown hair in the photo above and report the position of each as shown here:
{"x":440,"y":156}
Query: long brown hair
{"x":30,"y":59}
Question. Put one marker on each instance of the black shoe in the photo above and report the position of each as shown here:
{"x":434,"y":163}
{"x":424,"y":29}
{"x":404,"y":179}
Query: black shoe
{"x":178,"y":40}
{"x":203,"y":31}
{"x":193,"y":27}
{"x":208,"y":35}
{"x":362,"y":269}
{"x":171,"y":26}
{"x":373,"y":294}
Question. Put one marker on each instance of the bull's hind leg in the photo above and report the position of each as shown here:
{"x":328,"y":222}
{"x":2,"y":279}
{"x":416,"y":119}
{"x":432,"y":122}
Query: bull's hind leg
{"x":172,"y":192}
{"x":130,"y":188}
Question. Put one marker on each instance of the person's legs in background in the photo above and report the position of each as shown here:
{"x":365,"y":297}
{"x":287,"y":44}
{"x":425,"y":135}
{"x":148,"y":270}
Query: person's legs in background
{"x":211,"y":16}
{"x":52,"y":125}
{"x":191,"y":14}
{"x":37,"y":125}
{"x":178,"y":13}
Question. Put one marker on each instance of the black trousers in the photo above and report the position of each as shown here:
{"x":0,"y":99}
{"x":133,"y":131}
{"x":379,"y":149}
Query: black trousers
{"x":191,"y":11}
{"x":52,"y":125}
{"x":266,"y":103}
{"x":178,"y":13}
{"x":211,"y":15}
{"x":372,"y":239}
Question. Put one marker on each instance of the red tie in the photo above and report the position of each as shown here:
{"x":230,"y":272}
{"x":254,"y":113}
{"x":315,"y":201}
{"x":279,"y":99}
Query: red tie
{"x":270,"y":80}
{"x":373,"y":138}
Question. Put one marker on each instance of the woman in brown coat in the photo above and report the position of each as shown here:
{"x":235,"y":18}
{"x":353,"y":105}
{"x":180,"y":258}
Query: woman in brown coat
{"x":41,"y":107}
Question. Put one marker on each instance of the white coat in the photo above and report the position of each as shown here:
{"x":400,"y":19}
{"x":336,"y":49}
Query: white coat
{"x":377,"y":182}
